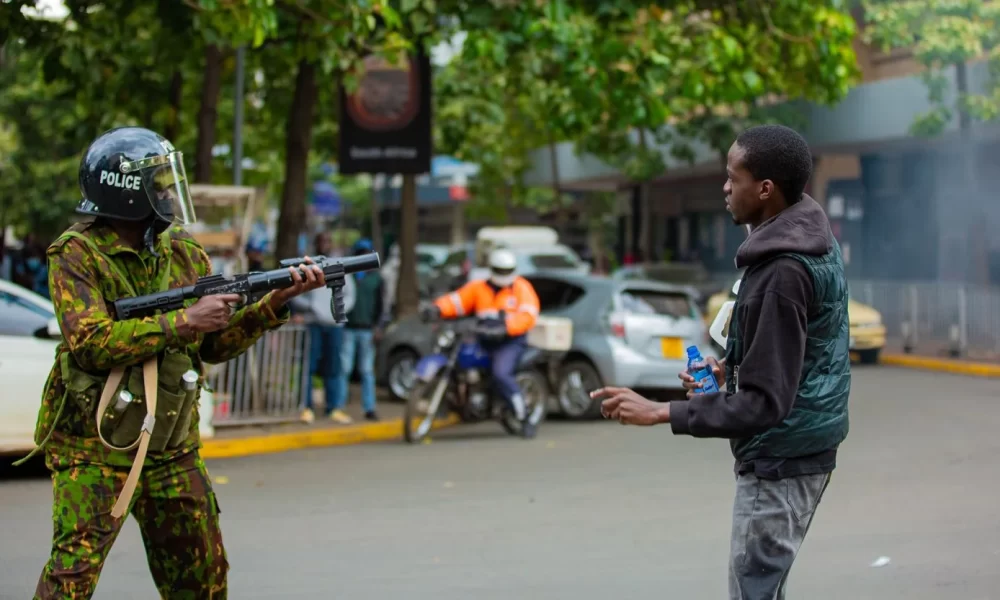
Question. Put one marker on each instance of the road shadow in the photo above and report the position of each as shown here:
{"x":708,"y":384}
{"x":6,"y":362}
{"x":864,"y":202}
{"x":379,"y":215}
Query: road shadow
{"x":33,"y":469}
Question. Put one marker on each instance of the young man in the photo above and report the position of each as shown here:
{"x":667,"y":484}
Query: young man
{"x":787,"y":367}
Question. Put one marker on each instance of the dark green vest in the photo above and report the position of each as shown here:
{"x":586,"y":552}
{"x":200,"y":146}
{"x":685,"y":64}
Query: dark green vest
{"x":818,"y":420}
{"x":367,"y":290}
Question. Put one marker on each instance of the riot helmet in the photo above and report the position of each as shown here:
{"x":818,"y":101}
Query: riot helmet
{"x":134,"y":174}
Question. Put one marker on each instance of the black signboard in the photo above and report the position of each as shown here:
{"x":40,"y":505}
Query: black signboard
{"x":385,"y":126}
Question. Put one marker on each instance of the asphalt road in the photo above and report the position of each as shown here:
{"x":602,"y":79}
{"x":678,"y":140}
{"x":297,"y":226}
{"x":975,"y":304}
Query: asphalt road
{"x":587,"y":511}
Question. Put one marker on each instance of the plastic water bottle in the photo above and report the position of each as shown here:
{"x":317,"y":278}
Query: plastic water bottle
{"x":701,"y":371}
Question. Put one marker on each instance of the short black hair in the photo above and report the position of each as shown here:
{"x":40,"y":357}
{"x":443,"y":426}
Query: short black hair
{"x":780,"y":154}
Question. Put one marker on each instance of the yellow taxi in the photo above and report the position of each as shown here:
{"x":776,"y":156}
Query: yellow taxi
{"x":867,"y":330}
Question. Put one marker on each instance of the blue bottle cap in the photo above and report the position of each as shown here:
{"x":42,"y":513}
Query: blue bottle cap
{"x":693,"y":351}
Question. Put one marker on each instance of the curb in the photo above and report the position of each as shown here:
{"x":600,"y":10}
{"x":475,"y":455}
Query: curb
{"x":941,"y":365}
{"x":314,"y":438}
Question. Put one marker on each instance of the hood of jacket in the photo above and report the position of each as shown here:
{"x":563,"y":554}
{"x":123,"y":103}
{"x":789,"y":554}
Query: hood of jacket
{"x":802,"y":228}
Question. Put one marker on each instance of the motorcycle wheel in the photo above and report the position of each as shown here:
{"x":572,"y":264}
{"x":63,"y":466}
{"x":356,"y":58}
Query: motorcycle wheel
{"x":534,"y":388}
{"x":422,"y":406}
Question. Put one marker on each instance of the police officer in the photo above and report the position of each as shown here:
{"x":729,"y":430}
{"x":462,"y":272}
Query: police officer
{"x":135,"y":188}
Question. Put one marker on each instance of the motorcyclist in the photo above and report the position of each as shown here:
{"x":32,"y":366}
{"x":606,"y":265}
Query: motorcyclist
{"x":507,"y":308}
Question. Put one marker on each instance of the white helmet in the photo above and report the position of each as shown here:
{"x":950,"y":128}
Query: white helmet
{"x":502,"y":265}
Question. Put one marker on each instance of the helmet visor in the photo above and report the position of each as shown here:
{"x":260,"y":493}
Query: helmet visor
{"x":165,"y":183}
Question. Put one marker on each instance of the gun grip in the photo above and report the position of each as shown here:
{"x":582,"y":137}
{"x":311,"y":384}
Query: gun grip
{"x":337,"y":303}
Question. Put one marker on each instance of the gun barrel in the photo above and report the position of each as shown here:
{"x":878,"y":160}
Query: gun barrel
{"x":365,"y":262}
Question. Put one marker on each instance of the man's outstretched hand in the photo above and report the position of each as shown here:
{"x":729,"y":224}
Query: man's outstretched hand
{"x":629,"y":408}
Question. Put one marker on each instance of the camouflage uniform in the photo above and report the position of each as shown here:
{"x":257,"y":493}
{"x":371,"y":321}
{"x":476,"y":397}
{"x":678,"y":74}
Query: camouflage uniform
{"x":174,"y":503}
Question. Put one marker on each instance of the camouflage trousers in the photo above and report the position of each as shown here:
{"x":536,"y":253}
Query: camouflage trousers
{"x":177,"y":514}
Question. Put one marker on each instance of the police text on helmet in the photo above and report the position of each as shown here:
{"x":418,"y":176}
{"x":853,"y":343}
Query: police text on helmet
{"x":129,"y":182}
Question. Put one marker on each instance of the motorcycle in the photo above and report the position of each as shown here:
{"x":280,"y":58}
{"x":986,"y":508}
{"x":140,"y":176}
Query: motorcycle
{"x":456,"y":379}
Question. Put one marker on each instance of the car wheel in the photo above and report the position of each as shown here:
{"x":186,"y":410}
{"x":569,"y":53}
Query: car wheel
{"x":577,"y":378}
{"x":400,"y":374}
{"x":869,"y":357}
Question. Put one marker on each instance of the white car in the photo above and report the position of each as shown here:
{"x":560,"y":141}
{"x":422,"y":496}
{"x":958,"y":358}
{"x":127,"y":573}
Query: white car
{"x":29,"y":335}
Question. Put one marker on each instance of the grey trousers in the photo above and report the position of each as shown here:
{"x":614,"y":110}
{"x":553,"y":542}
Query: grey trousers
{"x":770,"y":521}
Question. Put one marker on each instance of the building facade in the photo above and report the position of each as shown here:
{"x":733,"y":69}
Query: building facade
{"x":903,"y":208}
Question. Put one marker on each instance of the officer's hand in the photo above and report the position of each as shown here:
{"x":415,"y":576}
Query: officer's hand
{"x":691,"y":385}
{"x":313,"y":279}
{"x":211,"y":313}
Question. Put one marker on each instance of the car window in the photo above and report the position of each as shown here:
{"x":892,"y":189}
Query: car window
{"x":554,"y":294}
{"x":648,"y":302}
{"x":677,"y":273}
{"x":20,"y":317}
{"x":552,"y":261}
{"x":426,"y":259}
{"x":455,"y":258}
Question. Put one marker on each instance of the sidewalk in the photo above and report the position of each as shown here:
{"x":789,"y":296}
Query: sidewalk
{"x":935,"y":357}
{"x":238,"y":440}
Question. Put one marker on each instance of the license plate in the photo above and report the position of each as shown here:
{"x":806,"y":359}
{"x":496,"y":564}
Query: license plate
{"x":672,"y":347}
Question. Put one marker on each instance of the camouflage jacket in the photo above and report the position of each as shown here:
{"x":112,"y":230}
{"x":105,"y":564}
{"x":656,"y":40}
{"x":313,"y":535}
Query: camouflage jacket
{"x":83,"y":287}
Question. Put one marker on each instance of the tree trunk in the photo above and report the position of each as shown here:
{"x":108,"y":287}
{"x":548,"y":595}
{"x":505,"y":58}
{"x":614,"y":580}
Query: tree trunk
{"x":645,"y":225}
{"x":645,"y":221}
{"x":978,"y":245}
{"x":377,"y":223}
{"x":561,"y":217}
{"x":508,"y":204}
{"x":174,"y":95}
{"x":208,"y":114}
{"x":458,"y":222}
{"x":407,"y":289}
{"x":596,"y":245}
{"x":298,"y":139}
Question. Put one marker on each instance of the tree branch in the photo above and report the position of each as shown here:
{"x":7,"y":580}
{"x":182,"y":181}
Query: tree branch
{"x":766,"y":12}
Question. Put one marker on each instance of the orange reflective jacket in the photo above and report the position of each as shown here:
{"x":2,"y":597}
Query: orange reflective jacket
{"x":518,"y":301}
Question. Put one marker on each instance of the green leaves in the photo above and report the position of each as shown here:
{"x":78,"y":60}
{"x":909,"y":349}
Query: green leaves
{"x":942,"y":34}
{"x":598,"y":73}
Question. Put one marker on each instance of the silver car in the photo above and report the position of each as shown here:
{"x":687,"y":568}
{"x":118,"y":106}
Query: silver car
{"x":625,"y":333}
{"x":550,"y":258}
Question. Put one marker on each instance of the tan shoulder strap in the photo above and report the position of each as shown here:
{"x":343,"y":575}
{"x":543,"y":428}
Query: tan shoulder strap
{"x":149,"y":381}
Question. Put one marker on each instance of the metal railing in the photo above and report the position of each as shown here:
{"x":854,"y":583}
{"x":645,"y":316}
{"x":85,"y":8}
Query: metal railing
{"x":962,"y":318}
{"x":937,"y":316}
{"x":265,"y":384}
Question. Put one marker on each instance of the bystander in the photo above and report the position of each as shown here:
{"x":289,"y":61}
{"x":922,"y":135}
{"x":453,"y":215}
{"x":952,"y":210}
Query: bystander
{"x":365,"y":321}
{"x":325,"y":341}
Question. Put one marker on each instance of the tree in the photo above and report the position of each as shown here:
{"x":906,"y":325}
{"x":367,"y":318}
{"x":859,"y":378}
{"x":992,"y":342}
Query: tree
{"x":948,"y":35}
{"x":611,"y":76}
{"x":485,"y":115}
{"x":323,"y":51}
{"x":70,"y":78}
{"x":943,"y":35}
